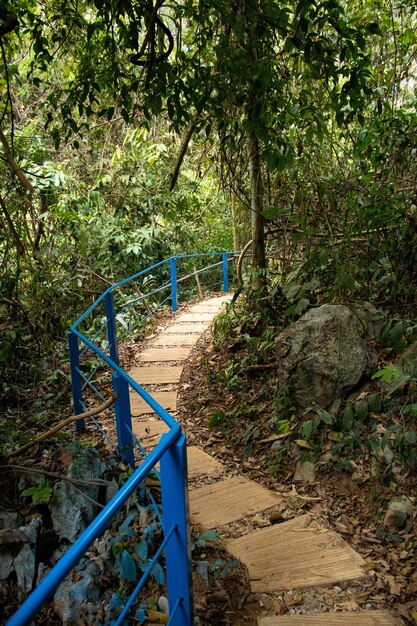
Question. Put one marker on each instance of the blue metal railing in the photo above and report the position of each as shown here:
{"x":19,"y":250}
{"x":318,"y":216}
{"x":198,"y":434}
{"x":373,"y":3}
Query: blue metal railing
{"x":170,"y":452}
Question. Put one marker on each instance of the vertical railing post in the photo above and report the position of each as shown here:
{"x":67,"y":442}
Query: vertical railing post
{"x":225,"y":273}
{"x":176,"y":513}
{"x":77,"y":393}
{"x":173,"y":268}
{"x":123,"y":420}
{"x":111,"y":326}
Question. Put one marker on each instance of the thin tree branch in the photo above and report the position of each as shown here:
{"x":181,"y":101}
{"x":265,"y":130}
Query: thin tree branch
{"x":187,"y":138}
{"x":19,"y":244}
{"x":73,"y":481}
{"x":6,"y":71}
{"x":95,"y":411}
{"x":14,"y":166}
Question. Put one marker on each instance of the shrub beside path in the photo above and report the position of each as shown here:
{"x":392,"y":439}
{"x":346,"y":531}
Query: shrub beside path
{"x":300,"y":553}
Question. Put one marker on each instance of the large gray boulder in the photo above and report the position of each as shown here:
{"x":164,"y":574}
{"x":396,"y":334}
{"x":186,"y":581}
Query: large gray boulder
{"x":323,"y":355}
{"x":78,"y":596}
{"x":73,"y":509}
{"x":17,"y":553}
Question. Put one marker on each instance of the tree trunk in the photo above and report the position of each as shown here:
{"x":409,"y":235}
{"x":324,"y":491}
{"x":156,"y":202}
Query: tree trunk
{"x":235,"y":225}
{"x":258,"y":221}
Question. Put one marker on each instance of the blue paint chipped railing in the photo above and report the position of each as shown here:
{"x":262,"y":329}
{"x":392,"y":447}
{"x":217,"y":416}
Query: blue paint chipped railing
{"x":170,"y":451}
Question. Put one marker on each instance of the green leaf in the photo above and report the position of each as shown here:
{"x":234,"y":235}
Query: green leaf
{"x":396,"y":333}
{"x":271,"y":213}
{"x":291,"y":292}
{"x":41,"y":493}
{"x":410,"y":437}
{"x":347,"y":419}
{"x":202,"y":570}
{"x":346,"y":281}
{"x":311,"y":285}
{"x":388,"y":374}
{"x":141,"y":550}
{"x":361,"y":409}
{"x":217,"y":417}
{"x":411,"y":409}
{"x":302,"y":305}
{"x":128,"y":567}
{"x":325,"y":416}
{"x":209,"y":535}
{"x":157,"y":574}
{"x":394,"y":376}
{"x":307,"y":429}
{"x":374,"y":403}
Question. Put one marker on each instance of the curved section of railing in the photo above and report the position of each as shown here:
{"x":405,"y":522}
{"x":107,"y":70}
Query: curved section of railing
{"x":120,"y":312}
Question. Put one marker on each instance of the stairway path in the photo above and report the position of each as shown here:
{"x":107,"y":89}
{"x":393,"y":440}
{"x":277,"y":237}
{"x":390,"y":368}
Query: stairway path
{"x":300,"y":553}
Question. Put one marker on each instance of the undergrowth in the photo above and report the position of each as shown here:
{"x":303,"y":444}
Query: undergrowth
{"x":371,"y":433}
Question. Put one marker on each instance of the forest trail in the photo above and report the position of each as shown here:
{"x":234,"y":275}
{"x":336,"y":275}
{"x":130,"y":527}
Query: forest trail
{"x":300,"y":553}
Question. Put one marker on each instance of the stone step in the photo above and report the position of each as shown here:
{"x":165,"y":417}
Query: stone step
{"x":175,"y":340}
{"x":202,"y":464}
{"x":206,"y":308}
{"x":149,"y":431}
{"x":167,"y":399}
{"x":195,"y":317}
{"x":226,"y":297}
{"x":156,"y":375}
{"x":229,"y":500}
{"x":208,"y":304}
{"x":356,"y":618}
{"x":154,"y":355}
{"x":199,"y":463}
{"x":300,"y":553}
{"x":195,"y":328}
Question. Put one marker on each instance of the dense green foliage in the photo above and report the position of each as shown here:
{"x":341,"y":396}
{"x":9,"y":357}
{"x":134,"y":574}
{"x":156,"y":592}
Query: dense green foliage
{"x":129,"y":128}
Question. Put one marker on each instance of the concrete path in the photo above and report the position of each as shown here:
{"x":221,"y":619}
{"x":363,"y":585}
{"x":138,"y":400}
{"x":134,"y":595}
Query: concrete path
{"x":300,"y":553}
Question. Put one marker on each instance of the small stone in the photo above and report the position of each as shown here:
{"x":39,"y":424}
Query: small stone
{"x":163,"y":605}
{"x":399,"y":509}
{"x":276,"y":445}
{"x":304,"y":472}
{"x":276,"y":517}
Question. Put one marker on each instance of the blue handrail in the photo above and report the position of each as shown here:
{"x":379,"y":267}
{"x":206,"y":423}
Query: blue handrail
{"x":170,"y":452}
